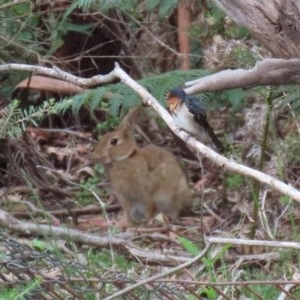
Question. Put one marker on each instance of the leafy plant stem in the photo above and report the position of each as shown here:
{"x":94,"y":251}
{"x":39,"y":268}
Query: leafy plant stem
{"x":257,"y":185}
{"x":6,"y":121}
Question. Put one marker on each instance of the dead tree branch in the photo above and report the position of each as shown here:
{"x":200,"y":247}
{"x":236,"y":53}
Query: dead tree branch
{"x":218,"y":159}
{"x":245,"y":242}
{"x":274,"y":23}
{"x":270,"y":71}
{"x":7,"y":221}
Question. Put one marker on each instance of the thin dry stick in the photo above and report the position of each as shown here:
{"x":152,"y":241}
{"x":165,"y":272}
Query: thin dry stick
{"x":102,"y":206}
{"x":204,"y":150}
{"x":219,"y":240}
{"x":159,"y":276}
{"x":268,"y":71}
{"x":271,"y":67}
{"x":7,"y":221}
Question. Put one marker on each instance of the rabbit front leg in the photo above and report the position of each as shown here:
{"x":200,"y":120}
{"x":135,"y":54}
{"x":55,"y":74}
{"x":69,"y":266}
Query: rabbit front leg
{"x":136,"y":208}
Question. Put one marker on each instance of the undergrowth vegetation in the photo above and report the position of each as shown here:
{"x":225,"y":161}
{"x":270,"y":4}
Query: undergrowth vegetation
{"x":47,"y":175}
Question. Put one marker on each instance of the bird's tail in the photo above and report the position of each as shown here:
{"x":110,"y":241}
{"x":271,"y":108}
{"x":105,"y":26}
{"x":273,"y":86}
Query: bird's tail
{"x":214,"y":138}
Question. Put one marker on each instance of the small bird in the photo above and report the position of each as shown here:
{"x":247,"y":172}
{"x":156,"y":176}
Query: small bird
{"x":190,"y":115}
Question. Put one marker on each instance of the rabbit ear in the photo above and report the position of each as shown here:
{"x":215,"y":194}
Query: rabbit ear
{"x":131,"y":117}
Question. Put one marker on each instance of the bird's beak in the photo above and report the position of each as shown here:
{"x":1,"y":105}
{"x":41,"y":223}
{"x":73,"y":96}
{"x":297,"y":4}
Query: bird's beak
{"x":172,"y":102}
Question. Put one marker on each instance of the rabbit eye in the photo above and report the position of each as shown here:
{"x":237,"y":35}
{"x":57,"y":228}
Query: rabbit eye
{"x":113,"y":141}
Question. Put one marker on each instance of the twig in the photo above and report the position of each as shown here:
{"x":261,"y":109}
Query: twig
{"x":58,"y":73}
{"x":157,"y":257}
{"x":159,"y":276}
{"x":91,"y":209}
{"x":272,"y":67}
{"x":7,"y":221}
{"x":34,"y":210}
{"x":219,"y":240}
{"x":238,"y":275}
{"x":107,"y":221}
{"x":78,"y":134}
{"x":287,"y":288}
{"x":206,"y":151}
{"x":268,"y":71}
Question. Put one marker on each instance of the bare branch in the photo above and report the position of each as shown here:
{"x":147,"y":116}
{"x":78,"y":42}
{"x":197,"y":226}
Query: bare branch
{"x":206,"y":151}
{"x":268,"y":71}
{"x":161,"y":275}
{"x":58,"y":73}
{"x":274,"y":23}
{"x":7,"y":221}
{"x":245,"y":242}
{"x":280,"y":67}
{"x":77,"y":236}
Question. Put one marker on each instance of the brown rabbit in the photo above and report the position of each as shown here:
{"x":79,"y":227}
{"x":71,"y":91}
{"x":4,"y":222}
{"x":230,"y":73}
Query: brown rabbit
{"x":145,"y":180}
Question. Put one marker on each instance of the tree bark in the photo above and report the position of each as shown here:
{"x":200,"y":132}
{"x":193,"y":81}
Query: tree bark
{"x":275,"y":23}
{"x":273,"y":71}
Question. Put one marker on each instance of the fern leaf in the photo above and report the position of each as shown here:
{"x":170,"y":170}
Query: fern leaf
{"x":97,"y":97}
{"x":151,"y":4}
{"x":121,"y":97}
{"x":166,"y":7}
{"x":115,"y":104}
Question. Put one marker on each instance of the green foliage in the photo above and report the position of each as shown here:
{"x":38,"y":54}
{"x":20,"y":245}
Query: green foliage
{"x":219,"y":26}
{"x":19,"y":291}
{"x":244,"y":57}
{"x":267,"y":291}
{"x":8,"y":121}
{"x":234,"y":181}
{"x":235,"y":97}
{"x":17,"y":26}
{"x":84,"y":196}
{"x":59,"y":25}
{"x":106,"y":5}
{"x":39,"y":245}
{"x":103,"y":259}
{"x":111,"y":121}
{"x":287,"y":95}
{"x":188,"y":245}
{"x":210,"y":261}
{"x":165,"y":8}
{"x":237,"y":32}
{"x":284,"y":199}
{"x":14,"y":119}
{"x":216,"y":14}
{"x":208,"y":293}
{"x":122,"y":97}
{"x":26,"y":34}
{"x":151,"y":4}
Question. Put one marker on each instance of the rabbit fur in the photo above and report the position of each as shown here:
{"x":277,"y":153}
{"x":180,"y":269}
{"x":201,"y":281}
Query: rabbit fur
{"x":146,"y":180}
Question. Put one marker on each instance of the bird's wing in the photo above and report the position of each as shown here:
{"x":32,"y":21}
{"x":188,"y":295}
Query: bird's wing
{"x":197,"y":110}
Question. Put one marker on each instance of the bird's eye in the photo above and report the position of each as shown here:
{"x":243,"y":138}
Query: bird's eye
{"x":113,"y":141}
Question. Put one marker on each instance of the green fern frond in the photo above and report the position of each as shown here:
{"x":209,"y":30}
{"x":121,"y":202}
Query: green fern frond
{"x":79,"y":101}
{"x":98,"y":95}
{"x":115,"y":104}
{"x":8,"y":115}
{"x":166,"y":7}
{"x":120,"y":97}
{"x":151,"y":4}
{"x":287,"y":95}
{"x":14,"y":120}
{"x":158,"y":85}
